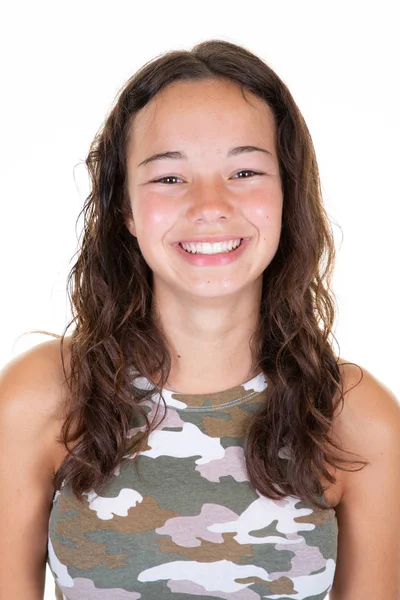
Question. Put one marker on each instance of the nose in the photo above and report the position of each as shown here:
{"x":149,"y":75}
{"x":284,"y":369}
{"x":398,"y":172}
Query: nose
{"x":209,"y":202}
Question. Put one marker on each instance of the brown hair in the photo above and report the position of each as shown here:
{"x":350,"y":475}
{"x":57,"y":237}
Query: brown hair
{"x":111,"y":295}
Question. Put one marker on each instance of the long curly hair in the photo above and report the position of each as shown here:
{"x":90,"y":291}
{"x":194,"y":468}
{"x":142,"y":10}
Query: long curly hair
{"x":110,"y":291}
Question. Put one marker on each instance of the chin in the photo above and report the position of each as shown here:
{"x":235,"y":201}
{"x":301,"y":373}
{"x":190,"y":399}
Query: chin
{"x":214,"y":289}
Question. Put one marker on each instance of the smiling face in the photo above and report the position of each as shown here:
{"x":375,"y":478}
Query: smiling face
{"x":207,"y":190}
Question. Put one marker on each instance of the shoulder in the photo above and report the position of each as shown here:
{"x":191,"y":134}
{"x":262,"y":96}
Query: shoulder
{"x":31,"y":402}
{"x":368,"y":513}
{"x":369,"y":418}
{"x":33,"y":379}
{"x":33,"y":391}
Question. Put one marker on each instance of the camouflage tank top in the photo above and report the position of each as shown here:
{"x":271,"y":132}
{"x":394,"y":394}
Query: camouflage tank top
{"x":191,"y":526}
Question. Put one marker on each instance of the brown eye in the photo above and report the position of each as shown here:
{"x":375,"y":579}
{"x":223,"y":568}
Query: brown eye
{"x":163,"y":179}
{"x":247,"y":171}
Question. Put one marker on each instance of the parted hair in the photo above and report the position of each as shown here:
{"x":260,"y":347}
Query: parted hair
{"x":115,"y":332}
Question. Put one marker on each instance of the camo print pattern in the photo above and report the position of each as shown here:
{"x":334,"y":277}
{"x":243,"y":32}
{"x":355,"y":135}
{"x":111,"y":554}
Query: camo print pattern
{"x":191,"y":526}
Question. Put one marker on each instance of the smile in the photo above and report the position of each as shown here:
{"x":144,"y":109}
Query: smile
{"x":208,"y":248}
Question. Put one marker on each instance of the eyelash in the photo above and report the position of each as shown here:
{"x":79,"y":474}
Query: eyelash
{"x":242,"y":171}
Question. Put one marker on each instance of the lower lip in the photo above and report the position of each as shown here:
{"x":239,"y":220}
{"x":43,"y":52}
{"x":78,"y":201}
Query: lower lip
{"x":206,"y":260}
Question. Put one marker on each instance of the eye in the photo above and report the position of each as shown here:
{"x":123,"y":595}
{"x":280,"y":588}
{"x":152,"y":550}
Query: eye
{"x":248,"y":171}
{"x":164,"y":179}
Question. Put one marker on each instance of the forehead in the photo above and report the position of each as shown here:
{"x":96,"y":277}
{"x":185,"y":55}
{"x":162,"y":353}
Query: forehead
{"x":194,"y":109}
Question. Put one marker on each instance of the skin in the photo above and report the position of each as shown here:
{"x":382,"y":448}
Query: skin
{"x":210,"y":312}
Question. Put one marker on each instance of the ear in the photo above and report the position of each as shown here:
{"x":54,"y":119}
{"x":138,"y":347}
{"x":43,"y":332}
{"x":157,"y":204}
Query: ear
{"x":130,"y":224}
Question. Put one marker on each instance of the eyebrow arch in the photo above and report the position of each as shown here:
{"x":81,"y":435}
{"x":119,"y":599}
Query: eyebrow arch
{"x":181,"y":155}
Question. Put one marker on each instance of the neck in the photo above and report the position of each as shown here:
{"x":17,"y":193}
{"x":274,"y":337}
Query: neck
{"x":209,"y":340}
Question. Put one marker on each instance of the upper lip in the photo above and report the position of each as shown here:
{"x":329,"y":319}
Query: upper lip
{"x":211,"y":239}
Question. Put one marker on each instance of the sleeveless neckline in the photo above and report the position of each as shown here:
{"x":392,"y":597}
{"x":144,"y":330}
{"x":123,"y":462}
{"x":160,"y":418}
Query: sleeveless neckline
{"x":189,"y":521}
{"x":203,"y":402}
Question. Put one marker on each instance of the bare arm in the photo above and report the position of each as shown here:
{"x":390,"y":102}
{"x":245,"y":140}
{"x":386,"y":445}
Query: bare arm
{"x":368,"y":562}
{"x":29,"y":402}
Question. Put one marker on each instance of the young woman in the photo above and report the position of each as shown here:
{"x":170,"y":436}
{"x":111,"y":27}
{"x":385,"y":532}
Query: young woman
{"x":193,"y":436}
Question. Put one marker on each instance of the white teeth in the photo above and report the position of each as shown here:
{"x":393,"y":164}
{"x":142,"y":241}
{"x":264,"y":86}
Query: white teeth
{"x":207,"y":248}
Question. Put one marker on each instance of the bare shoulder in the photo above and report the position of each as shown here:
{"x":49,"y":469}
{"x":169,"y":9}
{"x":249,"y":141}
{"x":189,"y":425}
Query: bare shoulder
{"x":370,"y":412}
{"x":31,"y":413}
{"x":37,"y":369}
{"x":368,"y":514}
{"x":368,"y":416}
{"x":32,"y":387}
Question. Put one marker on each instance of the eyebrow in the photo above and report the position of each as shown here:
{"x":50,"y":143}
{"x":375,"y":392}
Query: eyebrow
{"x":181,"y":155}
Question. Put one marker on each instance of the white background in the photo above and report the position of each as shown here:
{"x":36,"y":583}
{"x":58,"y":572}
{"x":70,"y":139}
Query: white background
{"x":62,"y":66}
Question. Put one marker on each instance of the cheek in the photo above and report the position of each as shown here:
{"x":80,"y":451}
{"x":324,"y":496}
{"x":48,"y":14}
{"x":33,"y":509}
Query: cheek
{"x":265,"y":214}
{"x":154,"y":216}
{"x":265,"y":209}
